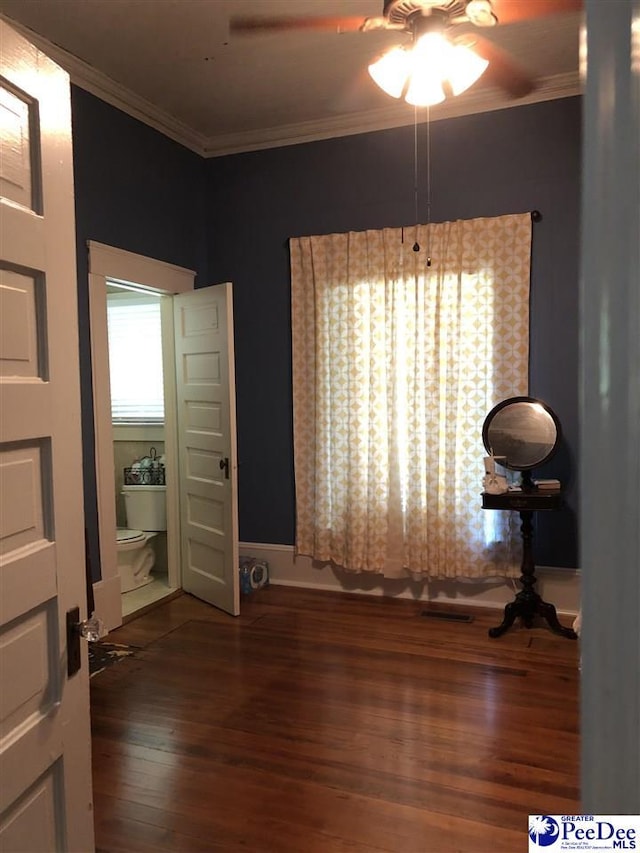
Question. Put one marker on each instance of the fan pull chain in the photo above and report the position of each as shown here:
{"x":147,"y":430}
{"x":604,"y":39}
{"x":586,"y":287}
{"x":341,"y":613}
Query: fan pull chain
{"x":416,"y":245}
{"x":428,"y":187}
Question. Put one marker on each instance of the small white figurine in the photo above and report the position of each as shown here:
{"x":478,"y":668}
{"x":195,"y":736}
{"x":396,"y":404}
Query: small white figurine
{"x":494,"y":484}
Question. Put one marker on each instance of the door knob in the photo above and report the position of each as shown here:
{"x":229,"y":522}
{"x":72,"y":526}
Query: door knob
{"x":91,"y":630}
{"x":224,"y":466}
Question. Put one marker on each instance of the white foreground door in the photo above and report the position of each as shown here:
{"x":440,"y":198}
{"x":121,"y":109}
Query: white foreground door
{"x":205,"y":379}
{"x":45,"y":751}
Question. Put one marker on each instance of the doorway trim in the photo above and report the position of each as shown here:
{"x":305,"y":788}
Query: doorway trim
{"x":108,"y":262}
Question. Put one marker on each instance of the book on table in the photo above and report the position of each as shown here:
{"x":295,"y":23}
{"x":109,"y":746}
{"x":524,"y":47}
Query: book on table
{"x":549,"y":484}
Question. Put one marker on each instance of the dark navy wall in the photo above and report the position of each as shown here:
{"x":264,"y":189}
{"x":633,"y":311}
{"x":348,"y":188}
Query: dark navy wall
{"x":230,"y":219}
{"x":508,"y":161}
{"x":137,"y":190}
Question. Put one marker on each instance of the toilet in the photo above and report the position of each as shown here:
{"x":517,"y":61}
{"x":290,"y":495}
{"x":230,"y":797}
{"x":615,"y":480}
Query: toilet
{"x":146,"y":515}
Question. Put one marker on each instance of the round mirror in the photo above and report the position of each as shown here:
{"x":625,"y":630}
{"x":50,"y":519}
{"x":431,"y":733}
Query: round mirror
{"x":525,"y":431}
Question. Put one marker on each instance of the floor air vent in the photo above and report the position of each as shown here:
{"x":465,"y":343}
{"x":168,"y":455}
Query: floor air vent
{"x":447,"y":615}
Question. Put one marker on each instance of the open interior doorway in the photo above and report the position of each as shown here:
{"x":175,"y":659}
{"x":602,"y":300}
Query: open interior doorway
{"x":200,"y":447}
{"x":138,"y":412}
{"x":119,"y":271}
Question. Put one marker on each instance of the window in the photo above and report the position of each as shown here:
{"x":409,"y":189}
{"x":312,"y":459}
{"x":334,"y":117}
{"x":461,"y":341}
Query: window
{"x":135,"y":357}
{"x":395,"y":365}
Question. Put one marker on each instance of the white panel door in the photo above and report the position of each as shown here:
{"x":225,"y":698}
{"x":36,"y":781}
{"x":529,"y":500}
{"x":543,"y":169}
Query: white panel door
{"x":205,"y":380}
{"x":45,"y":751}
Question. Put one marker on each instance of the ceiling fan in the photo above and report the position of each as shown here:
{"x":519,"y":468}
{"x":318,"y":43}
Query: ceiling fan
{"x":438,"y":60}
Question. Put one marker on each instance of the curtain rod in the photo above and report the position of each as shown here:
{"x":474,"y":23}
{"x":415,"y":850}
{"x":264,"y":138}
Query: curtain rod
{"x":536,"y":216}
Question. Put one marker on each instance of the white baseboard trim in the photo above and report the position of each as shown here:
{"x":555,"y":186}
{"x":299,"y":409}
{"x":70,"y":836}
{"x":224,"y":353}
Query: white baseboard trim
{"x":559,"y":586}
{"x":108,"y":602}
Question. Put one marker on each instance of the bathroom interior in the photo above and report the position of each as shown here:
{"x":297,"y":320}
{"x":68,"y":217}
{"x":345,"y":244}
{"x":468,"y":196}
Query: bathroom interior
{"x":137,"y":405}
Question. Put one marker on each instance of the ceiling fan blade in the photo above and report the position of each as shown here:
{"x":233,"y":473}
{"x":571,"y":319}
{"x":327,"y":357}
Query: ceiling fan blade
{"x":512,"y":11}
{"x":503,"y":71}
{"x":331,"y":24}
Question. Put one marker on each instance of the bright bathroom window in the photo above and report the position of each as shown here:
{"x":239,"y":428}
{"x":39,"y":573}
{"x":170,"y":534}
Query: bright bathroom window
{"x":135,"y":358}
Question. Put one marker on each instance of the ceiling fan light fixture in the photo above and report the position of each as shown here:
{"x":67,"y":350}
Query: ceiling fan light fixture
{"x":419,"y":72}
{"x":424,"y":91}
{"x":431,"y":54}
{"x":431,"y":51}
{"x":465,"y":68}
{"x":391,"y":71}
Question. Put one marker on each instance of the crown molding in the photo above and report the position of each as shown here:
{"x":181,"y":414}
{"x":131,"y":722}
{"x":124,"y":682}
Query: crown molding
{"x":398,"y":114}
{"x":86,"y":77}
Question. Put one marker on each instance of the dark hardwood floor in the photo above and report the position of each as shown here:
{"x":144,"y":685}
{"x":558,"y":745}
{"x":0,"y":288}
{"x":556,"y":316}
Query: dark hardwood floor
{"x":320,"y":722}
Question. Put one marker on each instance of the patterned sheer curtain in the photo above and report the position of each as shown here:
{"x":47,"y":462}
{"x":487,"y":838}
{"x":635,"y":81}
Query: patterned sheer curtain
{"x":395,"y":366}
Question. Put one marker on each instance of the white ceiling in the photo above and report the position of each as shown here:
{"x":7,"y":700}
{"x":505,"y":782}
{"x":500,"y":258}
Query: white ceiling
{"x":173,"y":64}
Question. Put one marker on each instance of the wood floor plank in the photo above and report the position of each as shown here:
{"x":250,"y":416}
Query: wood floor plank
{"x":331,"y":722}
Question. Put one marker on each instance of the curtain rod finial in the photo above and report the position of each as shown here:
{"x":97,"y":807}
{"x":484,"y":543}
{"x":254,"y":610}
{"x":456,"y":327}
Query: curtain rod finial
{"x":536,"y":216}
